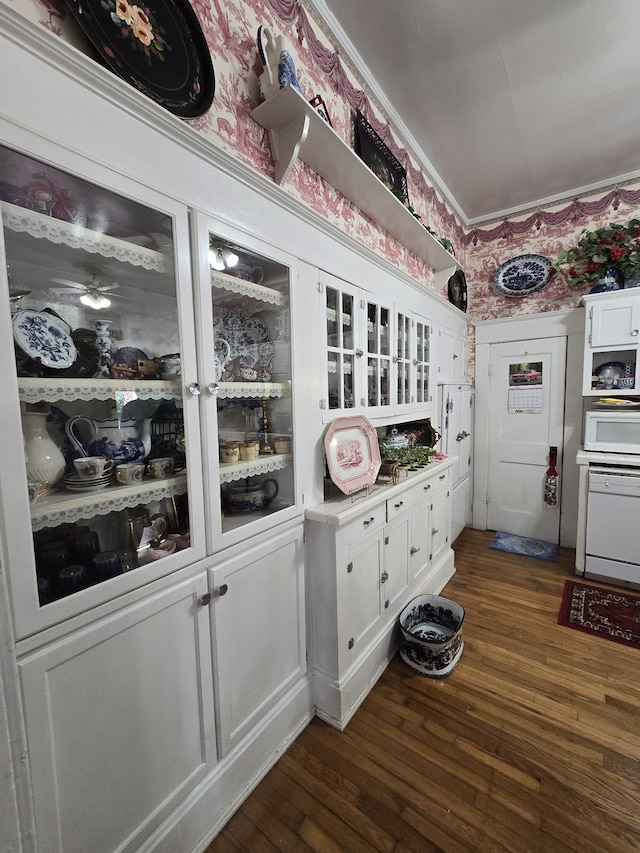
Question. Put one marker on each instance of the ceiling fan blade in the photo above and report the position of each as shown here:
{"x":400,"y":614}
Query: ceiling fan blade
{"x":76,"y":284}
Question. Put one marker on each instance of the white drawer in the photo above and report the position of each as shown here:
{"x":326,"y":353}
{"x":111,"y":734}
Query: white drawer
{"x":365,"y":524}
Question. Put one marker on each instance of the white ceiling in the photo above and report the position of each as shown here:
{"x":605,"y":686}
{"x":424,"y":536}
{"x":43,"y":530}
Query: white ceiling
{"x":507,"y":104}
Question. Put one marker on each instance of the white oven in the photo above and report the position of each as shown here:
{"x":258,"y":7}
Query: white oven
{"x":612,"y":431}
{"x":613,"y":525}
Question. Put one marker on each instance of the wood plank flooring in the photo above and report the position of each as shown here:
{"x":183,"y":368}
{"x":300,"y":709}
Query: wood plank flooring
{"x":531,"y":744}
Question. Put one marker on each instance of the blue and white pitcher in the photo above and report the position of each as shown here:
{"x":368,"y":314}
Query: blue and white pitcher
{"x":277,"y":62}
{"x":113,"y":437}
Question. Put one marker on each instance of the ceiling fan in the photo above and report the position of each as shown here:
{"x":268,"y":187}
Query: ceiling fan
{"x":93,"y":291}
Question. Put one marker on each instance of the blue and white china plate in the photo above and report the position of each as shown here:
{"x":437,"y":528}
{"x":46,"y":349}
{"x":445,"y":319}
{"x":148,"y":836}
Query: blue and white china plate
{"x":523,"y":275}
{"x":44,"y":336}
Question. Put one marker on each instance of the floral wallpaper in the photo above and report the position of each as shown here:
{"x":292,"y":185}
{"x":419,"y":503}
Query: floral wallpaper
{"x":230,"y":28}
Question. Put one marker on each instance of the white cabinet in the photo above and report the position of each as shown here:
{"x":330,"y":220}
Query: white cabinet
{"x":413,"y":375}
{"x":120,"y":721}
{"x":245,"y":339}
{"x":456,"y":426}
{"x":99,"y":358}
{"x":365,"y":561}
{"x":357,"y":344}
{"x":451,"y":356}
{"x":612,"y":338}
{"x":259,"y":634}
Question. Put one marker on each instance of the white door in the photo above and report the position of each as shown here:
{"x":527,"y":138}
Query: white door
{"x":526,"y":405}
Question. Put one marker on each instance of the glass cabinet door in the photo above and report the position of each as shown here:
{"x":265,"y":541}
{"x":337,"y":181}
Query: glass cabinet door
{"x":246,"y":352}
{"x":378,"y":399}
{"x":422,"y":362}
{"x":97,"y":354}
{"x":403,"y":360}
{"x":342,"y":345}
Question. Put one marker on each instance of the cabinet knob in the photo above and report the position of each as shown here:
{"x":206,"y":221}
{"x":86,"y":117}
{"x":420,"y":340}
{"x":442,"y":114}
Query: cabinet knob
{"x":384,"y":577}
{"x":414,"y":550}
{"x":369,"y":521}
{"x":442,"y":476}
{"x":398,"y":505}
{"x":351,"y":643}
{"x":213,"y":388}
{"x":434,"y":530}
{"x":427,"y":487}
{"x":204,"y":599}
{"x":634,"y":332}
{"x":194,"y":389}
{"x":359,"y":353}
{"x":222,"y":590}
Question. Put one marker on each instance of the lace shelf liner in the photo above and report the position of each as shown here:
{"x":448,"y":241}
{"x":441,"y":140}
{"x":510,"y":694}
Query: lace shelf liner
{"x":248,"y":288}
{"x":65,"y":506}
{"x":42,"y":227}
{"x":229,"y":472}
{"x":51,"y":390}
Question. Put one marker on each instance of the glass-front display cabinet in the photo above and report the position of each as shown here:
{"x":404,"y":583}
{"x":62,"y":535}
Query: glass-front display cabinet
{"x":358,"y":351}
{"x":246,"y":348}
{"x":96,"y":358}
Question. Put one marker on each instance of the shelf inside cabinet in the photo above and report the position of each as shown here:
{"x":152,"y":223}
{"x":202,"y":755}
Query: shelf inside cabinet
{"x":82,"y":240}
{"x":296,"y":130}
{"x":253,"y":390}
{"x":241,"y":287}
{"x":231,"y":471}
{"x":68,"y":507}
{"x":51,"y":390}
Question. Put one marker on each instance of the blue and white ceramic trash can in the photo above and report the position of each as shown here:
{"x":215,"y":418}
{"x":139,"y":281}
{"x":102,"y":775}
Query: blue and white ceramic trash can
{"x":431,"y":635}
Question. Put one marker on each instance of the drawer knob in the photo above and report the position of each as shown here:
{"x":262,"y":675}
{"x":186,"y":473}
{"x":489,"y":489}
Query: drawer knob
{"x":398,"y":505}
{"x":634,"y":332}
{"x":442,"y":476}
{"x":414,"y":550}
{"x":204,"y":599}
{"x":369,"y":521}
{"x":222,"y":590}
{"x":427,"y":487}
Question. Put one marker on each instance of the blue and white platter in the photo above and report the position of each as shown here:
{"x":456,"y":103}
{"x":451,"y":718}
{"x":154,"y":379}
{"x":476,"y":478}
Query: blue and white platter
{"x":523,"y":275}
{"x":43,"y":336}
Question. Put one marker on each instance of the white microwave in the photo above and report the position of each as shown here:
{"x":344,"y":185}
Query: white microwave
{"x":612,"y":431}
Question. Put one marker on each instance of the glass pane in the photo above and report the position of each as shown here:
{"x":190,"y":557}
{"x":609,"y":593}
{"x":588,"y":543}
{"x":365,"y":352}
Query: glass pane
{"x":372,"y":382}
{"x":384,"y":383}
{"x":385,"y":332}
{"x":420,"y":341}
{"x":420,"y":384}
{"x":372,"y":328}
{"x":347,"y":321}
{"x":92,"y":292}
{"x":347,"y":386}
{"x":427,"y":343}
{"x":333,"y":339}
{"x":252,"y":355}
{"x":333,"y":378}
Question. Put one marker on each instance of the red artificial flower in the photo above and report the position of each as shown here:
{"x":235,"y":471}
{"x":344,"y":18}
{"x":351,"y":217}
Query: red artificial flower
{"x":591,"y":267}
{"x":619,"y":236}
{"x":573,"y":272}
{"x":617,"y":252}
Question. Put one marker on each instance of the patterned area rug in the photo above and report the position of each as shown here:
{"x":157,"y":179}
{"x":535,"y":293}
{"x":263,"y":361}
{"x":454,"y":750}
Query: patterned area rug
{"x":614,"y":615}
{"x":536,"y":548}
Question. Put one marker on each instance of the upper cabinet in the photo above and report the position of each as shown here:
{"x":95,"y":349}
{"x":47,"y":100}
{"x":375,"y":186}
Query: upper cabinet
{"x":612,"y":338}
{"x":101,"y":488}
{"x":452,"y":356}
{"x":296,"y":130}
{"x":246,"y":367}
{"x":412,"y":362}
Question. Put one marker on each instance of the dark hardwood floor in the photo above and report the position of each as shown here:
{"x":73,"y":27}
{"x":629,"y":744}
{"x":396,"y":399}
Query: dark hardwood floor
{"x":531,"y":744}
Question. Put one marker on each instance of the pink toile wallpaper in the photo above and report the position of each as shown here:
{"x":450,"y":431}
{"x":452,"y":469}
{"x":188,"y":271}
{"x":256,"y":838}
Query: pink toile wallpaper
{"x":230,"y":27}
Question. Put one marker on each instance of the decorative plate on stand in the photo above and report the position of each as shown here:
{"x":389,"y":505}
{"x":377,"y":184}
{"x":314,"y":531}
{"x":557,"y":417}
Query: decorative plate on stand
{"x":158,"y":48}
{"x":353,"y":453}
{"x":523,"y":275}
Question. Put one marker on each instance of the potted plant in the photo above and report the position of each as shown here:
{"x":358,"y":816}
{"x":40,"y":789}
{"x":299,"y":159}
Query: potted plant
{"x":604,"y":258}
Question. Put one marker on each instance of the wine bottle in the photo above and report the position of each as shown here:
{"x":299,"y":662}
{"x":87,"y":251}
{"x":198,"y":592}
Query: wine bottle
{"x":551,"y":479}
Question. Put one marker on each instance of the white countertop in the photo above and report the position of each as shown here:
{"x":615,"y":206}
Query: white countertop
{"x":598,"y":457}
{"x":343,"y":509}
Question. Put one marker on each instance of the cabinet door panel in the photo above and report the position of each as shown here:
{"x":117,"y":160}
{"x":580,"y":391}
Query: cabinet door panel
{"x":420,"y":539}
{"x":120,"y":722}
{"x":364,"y":605}
{"x":396,"y":561}
{"x":258,"y":632}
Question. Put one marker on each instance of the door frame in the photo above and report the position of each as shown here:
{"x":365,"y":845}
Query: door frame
{"x":553,"y":324}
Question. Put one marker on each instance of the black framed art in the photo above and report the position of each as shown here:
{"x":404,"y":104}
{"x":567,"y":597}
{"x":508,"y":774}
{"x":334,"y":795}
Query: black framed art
{"x":457,"y":290}
{"x":382,"y":162}
{"x":158,"y":47}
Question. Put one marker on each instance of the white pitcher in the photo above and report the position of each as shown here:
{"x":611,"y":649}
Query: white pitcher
{"x":45,"y":462}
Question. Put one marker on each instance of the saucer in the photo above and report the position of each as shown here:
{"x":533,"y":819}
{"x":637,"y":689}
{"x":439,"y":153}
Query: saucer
{"x":75,"y":483}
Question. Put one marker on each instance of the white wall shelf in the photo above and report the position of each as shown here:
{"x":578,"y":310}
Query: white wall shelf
{"x":297,"y":131}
